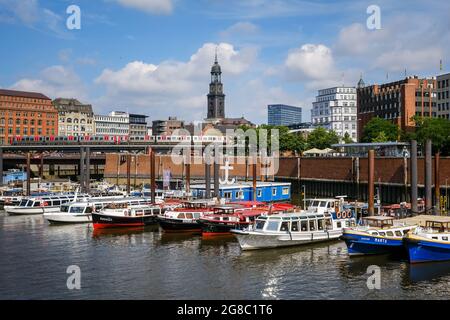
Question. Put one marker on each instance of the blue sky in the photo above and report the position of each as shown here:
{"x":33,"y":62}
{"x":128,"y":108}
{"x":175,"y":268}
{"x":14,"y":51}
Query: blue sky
{"x":154,"y":56}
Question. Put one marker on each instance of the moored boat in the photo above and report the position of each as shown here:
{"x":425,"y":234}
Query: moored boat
{"x":378,"y":235}
{"x":429,"y":243}
{"x":80,"y":211}
{"x":39,"y":205}
{"x":126,"y":216}
{"x":185,"y":218}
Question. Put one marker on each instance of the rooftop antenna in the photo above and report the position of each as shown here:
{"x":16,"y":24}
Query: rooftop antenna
{"x":440,"y":65}
{"x":405,"y":73}
{"x":215,"y":57}
{"x":342,"y":79}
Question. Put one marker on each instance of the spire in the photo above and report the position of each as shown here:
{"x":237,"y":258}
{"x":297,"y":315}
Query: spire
{"x":215,"y":58}
{"x":361,"y":83}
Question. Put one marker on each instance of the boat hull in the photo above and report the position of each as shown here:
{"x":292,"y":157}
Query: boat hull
{"x":426,"y":250}
{"x":102,"y":221}
{"x":249,"y":240}
{"x":210,"y":228}
{"x":61,"y":218}
{"x":358,"y":244}
{"x":14,"y":210}
{"x":175,"y":225}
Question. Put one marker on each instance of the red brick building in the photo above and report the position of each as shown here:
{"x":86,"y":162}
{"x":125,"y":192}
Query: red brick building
{"x":396,"y":101}
{"x":26,"y":114}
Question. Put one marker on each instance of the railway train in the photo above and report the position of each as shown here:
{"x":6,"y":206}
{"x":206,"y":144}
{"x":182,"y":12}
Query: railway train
{"x":111,"y":139}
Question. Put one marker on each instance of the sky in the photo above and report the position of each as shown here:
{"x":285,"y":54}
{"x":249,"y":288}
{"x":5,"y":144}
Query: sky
{"x":154,"y":56}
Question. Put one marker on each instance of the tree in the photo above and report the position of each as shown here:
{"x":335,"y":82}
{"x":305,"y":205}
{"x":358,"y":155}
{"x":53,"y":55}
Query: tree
{"x":381,"y":137}
{"x":321,"y":138}
{"x":374,"y":127}
{"x":347,"y":139}
{"x":435,"y":129}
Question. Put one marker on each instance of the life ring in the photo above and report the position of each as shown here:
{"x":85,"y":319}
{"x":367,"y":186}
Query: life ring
{"x":338,"y":215}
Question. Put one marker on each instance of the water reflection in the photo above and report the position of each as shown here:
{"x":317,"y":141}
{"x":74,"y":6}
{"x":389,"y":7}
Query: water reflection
{"x":428,"y":271}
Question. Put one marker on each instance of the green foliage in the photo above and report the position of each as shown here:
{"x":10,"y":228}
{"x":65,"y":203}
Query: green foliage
{"x":347,"y":139}
{"x":436,"y":129}
{"x":321,"y":138}
{"x":378,"y":128}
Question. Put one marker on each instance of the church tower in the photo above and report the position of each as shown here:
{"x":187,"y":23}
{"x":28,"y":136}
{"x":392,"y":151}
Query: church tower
{"x":216,"y":98}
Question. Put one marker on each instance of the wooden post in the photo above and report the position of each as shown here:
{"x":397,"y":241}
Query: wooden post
{"x":28,"y":174}
{"x":152,"y":176}
{"x":371,"y":179}
{"x":128,"y":174}
{"x":437,"y":185}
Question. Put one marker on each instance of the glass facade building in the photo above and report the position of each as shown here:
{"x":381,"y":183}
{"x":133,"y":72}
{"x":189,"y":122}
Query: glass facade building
{"x":283,"y":115}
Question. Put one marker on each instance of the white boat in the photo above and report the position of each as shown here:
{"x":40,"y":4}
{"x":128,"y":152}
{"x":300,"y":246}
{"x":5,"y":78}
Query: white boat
{"x":81,"y":211}
{"x":39,"y":205}
{"x":297,"y":228}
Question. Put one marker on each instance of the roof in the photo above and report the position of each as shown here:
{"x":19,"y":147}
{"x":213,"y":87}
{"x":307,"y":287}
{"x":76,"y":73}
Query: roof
{"x":71,"y":105}
{"x":377,"y":144}
{"x":244,"y":185}
{"x":379,"y":218}
{"x":23,"y":94}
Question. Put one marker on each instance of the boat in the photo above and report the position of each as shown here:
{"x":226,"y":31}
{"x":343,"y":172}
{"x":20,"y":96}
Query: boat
{"x":429,"y":243}
{"x":185,"y":218}
{"x":39,"y":205}
{"x":10,"y":197}
{"x":377,"y":235}
{"x":80,"y":211}
{"x":291,"y":229}
{"x":238,"y":215}
{"x":125,"y":215}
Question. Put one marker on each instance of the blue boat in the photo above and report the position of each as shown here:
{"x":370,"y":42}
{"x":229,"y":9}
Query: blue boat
{"x":430,"y":243}
{"x":377,"y":235}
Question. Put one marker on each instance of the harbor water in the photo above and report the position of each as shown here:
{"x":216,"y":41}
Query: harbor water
{"x":147,"y":264}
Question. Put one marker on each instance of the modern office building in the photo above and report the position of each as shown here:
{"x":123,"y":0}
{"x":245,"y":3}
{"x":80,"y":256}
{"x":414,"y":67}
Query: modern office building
{"x":116,"y":123}
{"x":335,"y":109}
{"x":138,"y":126}
{"x":443,"y":93}
{"x":283,"y":115}
{"x":397,"y":101}
{"x":166,"y":127}
{"x":74,"y":118}
{"x":26,"y":113}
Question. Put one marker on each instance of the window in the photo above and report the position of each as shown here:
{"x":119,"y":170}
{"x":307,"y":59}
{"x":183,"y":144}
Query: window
{"x":284,"y":226}
{"x":274,"y":191}
{"x":294,"y":226}
{"x":285,"y":191}
{"x":260,"y":224}
{"x":398,"y":233}
{"x":227,"y":195}
{"x":259,"y":193}
{"x":312,"y":225}
{"x":272,"y":226}
{"x":390,"y":234}
{"x":382,"y":234}
{"x":304,"y":225}
{"x":320,"y":224}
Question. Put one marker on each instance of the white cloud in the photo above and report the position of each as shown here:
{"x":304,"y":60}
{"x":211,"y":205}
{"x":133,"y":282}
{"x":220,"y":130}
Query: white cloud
{"x":172,"y":86}
{"x":149,"y":6}
{"x":239,"y":29}
{"x":356,"y":39}
{"x":310,"y":61}
{"x":55,"y":81}
{"x":413,"y":60}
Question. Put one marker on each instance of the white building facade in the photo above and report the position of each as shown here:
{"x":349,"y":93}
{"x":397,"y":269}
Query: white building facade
{"x":115,"y":123}
{"x":335,"y":109}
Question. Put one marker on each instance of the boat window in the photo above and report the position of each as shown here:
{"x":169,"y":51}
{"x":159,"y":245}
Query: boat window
{"x":260,"y":224}
{"x":36,"y":204}
{"x":196,"y":215}
{"x":64,"y":208}
{"x":445,"y":238}
{"x":227,"y":195}
{"x":390,"y":234}
{"x":338,"y":224}
{"x":328,"y":224}
{"x":330,"y":205}
{"x":312,"y":225}
{"x":284,"y":226}
{"x":88,"y":210}
{"x":274,"y":191}
{"x":181,"y":216}
{"x":56,"y":202}
{"x":272,"y":225}
{"x":189,"y":215}
{"x":323,"y":204}
{"x":398,"y":233}
{"x":294,"y":226}
{"x":320,"y":224}
{"x":304,"y":225}
{"x":374,"y":233}
{"x":74,"y":209}
{"x":435,"y":238}
{"x":382,"y":234}
{"x":23,"y":202}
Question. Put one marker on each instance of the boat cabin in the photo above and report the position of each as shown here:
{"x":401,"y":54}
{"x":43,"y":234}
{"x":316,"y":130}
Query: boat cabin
{"x":438,"y":225}
{"x":46,"y":201}
{"x":379,"y":221}
{"x":294,"y":223}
